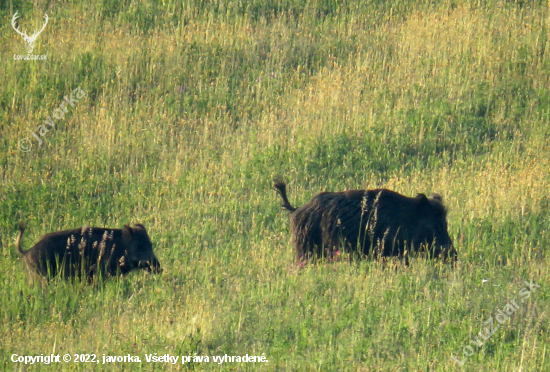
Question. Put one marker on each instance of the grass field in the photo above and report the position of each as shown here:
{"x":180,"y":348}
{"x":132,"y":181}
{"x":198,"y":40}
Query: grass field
{"x":191,"y":107}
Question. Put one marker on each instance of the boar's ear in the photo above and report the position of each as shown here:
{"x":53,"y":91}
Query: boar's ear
{"x":437,"y":197}
{"x":139,"y":226}
{"x":127,"y":232}
{"x":421,"y":198}
{"x":422,"y":201}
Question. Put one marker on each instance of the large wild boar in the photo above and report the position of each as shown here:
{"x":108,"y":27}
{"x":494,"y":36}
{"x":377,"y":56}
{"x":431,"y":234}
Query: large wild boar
{"x":90,"y":251}
{"x":369,"y":222}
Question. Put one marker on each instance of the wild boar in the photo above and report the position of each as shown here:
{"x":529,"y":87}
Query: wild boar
{"x":379,"y":222}
{"x":90,"y":251}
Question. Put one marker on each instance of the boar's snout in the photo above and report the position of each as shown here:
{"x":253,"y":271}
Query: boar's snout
{"x":151,"y":266}
{"x":446,"y":249}
{"x":450,"y":255}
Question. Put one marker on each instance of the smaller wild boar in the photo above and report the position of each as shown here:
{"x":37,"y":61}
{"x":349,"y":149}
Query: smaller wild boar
{"x":90,"y":251}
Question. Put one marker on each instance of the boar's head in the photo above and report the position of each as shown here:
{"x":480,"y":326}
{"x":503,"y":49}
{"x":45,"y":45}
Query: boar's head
{"x":139,"y":249}
{"x":431,"y":228}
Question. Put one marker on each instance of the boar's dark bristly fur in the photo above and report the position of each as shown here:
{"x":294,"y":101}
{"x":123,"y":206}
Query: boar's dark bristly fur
{"x":89,"y":251}
{"x":378,"y":222}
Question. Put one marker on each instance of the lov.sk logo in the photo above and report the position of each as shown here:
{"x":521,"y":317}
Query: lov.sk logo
{"x":29,"y":40}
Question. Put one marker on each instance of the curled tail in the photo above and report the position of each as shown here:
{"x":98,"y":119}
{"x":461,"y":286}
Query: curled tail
{"x":18,"y":242}
{"x":280,"y":187}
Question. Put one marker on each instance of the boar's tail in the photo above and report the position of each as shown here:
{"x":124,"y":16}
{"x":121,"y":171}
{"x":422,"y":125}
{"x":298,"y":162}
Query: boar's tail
{"x":18,"y":242}
{"x":280,"y":187}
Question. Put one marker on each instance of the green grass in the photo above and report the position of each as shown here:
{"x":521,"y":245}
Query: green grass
{"x":192,"y":107}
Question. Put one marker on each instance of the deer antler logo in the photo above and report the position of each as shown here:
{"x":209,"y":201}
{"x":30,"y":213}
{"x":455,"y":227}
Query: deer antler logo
{"x":29,"y":40}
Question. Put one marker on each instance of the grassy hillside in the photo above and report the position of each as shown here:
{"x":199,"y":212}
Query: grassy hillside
{"x":190,"y":109}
